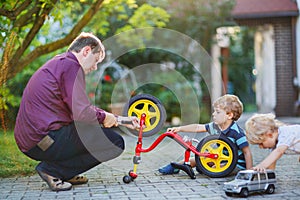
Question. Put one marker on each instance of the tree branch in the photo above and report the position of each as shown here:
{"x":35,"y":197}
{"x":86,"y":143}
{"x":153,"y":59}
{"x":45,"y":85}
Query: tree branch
{"x":12,"y":14}
{"x":27,"y":17}
{"x":14,"y":63}
{"x":47,"y":48}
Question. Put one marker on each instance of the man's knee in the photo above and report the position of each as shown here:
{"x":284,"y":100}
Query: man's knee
{"x":120,"y":142}
{"x":115,"y":138}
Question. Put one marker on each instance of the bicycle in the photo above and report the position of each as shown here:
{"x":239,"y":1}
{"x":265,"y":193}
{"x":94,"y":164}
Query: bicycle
{"x":215,"y":155}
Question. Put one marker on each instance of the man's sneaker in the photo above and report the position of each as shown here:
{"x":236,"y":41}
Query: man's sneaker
{"x":168,"y":169}
{"x":55,"y":184}
{"x":77,"y":180}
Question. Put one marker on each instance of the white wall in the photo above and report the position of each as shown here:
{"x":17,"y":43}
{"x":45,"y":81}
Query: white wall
{"x":222,"y":40}
{"x":264,"y":48}
{"x":297,"y":83}
{"x":217,"y":83}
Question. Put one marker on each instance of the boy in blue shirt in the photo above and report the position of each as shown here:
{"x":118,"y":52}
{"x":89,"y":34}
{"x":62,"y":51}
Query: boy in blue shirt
{"x":227,"y":110}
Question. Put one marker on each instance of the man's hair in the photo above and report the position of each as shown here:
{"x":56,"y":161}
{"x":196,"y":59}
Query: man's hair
{"x":87,"y":39}
{"x":231,"y":104}
{"x":258,"y":125}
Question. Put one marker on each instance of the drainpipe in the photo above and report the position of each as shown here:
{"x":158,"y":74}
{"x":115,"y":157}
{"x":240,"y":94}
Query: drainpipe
{"x":297,"y":57}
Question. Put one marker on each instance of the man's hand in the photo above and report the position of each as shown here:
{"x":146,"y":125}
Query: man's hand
{"x":110,"y":120}
{"x":129,"y":122}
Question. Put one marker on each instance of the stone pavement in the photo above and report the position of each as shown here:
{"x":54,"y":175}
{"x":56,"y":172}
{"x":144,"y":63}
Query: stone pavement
{"x":105,"y":181}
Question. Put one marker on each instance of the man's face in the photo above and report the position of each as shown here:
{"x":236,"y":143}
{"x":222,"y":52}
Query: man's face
{"x":90,"y":60}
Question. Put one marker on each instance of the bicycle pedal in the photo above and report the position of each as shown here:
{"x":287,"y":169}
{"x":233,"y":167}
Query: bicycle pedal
{"x":186,"y":168}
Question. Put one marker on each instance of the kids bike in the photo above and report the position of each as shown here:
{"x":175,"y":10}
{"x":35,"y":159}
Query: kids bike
{"x":215,"y":155}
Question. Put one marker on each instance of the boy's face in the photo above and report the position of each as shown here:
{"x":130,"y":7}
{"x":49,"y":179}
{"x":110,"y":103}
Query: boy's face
{"x":268,"y":142}
{"x":220,"y":116}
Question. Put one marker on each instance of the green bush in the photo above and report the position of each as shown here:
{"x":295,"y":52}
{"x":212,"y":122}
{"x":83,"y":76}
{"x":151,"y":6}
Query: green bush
{"x":12,"y":161}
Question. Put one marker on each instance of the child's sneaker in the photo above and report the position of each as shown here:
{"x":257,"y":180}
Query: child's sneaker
{"x":168,"y":169}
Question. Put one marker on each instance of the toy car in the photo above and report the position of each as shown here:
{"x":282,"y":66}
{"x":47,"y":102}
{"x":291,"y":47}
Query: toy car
{"x":247,"y":181}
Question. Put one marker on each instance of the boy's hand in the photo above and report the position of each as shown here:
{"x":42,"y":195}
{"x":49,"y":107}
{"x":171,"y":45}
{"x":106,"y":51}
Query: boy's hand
{"x":259,"y":168}
{"x":174,"y":129}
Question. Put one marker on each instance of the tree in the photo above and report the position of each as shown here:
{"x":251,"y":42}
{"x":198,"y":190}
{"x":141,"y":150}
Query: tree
{"x":241,"y":63}
{"x":27,"y":30}
{"x":23,"y":20}
{"x":198,"y":18}
{"x":26,"y":19}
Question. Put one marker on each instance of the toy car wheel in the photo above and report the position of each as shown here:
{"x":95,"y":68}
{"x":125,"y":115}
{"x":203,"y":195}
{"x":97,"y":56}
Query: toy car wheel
{"x":244,"y":192}
{"x":227,"y":156}
{"x":154,"y":110}
{"x":229,"y":194}
{"x":270,"y":189}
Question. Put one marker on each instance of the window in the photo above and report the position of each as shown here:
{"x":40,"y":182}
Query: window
{"x":271,"y":175}
{"x":262,"y":177}
{"x":255,"y":177}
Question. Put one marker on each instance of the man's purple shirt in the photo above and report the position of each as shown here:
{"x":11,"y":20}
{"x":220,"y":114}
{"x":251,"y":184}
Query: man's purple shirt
{"x":54,"y":96}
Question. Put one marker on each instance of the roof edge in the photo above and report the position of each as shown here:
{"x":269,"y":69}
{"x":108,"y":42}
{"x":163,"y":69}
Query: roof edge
{"x":266,"y":15}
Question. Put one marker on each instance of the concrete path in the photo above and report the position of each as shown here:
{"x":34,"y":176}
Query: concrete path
{"x":105,"y":181}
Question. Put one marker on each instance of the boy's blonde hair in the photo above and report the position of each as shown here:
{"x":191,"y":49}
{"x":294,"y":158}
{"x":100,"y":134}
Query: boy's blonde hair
{"x":258,"y":125}
{"x":231,"y":104}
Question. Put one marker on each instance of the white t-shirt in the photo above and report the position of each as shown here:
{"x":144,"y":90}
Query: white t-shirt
{"x":289,"y":136}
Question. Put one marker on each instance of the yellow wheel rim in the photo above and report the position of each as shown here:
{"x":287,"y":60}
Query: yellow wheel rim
{"x":149,"y":108}
{"x":224,"y":152}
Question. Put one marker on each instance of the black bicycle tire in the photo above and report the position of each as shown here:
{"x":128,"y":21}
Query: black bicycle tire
{"x":200,"y":167}
{"x":160,"y":107}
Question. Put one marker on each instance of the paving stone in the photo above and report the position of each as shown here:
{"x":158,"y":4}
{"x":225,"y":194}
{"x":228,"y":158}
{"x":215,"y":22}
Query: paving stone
{"x":105,"y":181}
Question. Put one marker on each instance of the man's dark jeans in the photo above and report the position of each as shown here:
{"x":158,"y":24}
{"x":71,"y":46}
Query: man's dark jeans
{"x":77,"y":148}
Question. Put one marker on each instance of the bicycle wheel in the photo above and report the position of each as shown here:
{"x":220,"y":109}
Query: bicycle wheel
{"x":227,"y":156}
{"x":152,"y":107}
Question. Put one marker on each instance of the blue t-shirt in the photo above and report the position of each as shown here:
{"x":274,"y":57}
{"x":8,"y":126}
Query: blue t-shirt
{"x":236,"y":135}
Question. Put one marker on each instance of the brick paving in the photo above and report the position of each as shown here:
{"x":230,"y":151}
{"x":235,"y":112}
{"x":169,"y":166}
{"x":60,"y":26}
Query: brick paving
{"x":105,"y":181}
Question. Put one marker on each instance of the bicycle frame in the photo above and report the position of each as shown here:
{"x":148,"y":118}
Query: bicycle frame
{"x":186,"y":144}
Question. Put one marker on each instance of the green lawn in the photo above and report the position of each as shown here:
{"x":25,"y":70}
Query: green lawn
{"x":12,"y":161}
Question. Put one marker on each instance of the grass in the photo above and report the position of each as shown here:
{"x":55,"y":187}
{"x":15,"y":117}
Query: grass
{"x":12,"y":161}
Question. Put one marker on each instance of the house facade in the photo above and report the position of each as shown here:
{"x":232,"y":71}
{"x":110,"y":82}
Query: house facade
{"x":277,"y":52}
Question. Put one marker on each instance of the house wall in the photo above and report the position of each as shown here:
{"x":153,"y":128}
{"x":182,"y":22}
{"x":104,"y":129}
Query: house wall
{"x":217,"y":84}
{"x":264,"y":47}
{"x":286,"y":92}
{"x":297,"y":46}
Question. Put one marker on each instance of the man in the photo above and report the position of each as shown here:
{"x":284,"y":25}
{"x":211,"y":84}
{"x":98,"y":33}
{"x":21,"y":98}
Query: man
{"x":58,"y":125}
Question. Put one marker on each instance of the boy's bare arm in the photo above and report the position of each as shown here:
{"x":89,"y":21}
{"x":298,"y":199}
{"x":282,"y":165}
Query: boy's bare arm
{"x":272,"y":166}
{"x":248,"y":157}
{"x":188,"y":128}
{"x":270,"y":160}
